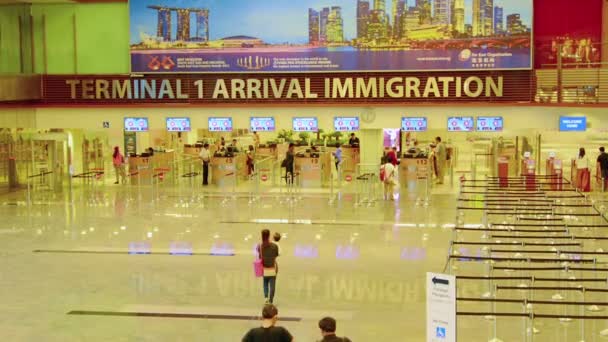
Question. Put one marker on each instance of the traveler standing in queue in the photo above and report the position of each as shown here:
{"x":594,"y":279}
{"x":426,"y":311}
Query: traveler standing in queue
{"x":250,"y":161}
{"x":389,"y":180}
{"x":205,"y":156}
{"x":268,"y":252}
{"x":391,"y":155}
{"x":582,"y":171}
{"x":441,"y":159}
{"x":288,"y":163}
{"x":118,"y":160}
{"x":602,"y":160}
{"x":268,"y":332}
{"x":328,"y":331}
{"x":338,"y":155}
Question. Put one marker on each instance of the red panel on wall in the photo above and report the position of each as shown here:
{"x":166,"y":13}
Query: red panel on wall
{"x":577,"y":24}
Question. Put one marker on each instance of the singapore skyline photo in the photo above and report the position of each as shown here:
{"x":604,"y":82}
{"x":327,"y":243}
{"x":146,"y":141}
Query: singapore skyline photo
{"x":327,"y":30}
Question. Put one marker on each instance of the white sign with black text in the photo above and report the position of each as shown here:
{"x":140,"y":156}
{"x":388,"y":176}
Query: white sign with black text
{"x":440,"y":307}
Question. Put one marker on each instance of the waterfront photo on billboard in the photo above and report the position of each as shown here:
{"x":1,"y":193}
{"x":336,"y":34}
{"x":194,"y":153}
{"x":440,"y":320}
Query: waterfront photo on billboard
{"x":332,"y":35}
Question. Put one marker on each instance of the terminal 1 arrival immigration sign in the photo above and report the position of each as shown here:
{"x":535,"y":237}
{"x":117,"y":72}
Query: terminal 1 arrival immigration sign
{"x":221,"y":36}
{"x":340,"y":88}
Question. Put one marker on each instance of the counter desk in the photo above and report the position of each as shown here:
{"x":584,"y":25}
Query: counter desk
{"x":310,"y":169}
{"x":413,"y":169}
{"x":192,"y":150}
{"x":226,"y":170}
{"x":267,"y":151}
{"x":143,"y":169}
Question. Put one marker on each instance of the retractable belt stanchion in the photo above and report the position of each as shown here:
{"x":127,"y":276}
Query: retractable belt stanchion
{"x":252,"y":179}
{"x":331,"y":190}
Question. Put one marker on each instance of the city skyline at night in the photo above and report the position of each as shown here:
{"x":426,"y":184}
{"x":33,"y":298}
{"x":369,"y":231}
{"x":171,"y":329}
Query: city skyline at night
{"x":292,"y":17}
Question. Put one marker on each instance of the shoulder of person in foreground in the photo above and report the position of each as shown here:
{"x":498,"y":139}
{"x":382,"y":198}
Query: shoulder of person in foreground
{"x":286,"y":335}
{"x":248,"y":336}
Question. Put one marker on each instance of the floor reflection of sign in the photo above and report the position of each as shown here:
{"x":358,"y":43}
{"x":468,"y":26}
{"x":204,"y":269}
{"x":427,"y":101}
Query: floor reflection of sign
{"x":440,"y":307}
{"x":130,"y":143}
{"x":422,"y":170}
{"x":349,"y":178}
{"x":264,"y":178}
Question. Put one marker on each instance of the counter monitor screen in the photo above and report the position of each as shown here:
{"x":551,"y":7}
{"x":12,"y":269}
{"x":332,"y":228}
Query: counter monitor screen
{"x":489,"y":123}
{"x":305,"y":125}
{"x":346,"y":124}
{"x":220,"y":124}
{"x":178,"y":124}
{"x":136,"y":124}
{"x":258,"y":124}
{"x":460,"y":124}
{"x":413,"y":124}
{"x":572,"y":123}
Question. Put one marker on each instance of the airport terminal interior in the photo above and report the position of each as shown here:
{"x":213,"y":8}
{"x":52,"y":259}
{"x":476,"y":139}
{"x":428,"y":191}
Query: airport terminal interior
{"x":430,"y":170}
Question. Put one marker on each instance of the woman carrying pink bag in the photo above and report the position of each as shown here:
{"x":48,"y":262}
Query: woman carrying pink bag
{"x":265,"y":266}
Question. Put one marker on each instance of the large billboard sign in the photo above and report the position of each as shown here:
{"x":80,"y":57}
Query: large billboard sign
{"x":331,"y":36}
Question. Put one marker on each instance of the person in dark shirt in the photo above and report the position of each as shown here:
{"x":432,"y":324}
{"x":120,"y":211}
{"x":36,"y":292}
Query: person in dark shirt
{"x":269,"y":252}
{"x":353,"y":141}
{"x":289,"y":161}
{"x":602,"y":159}
{"x":328,"y":331}
{"x":268,"y":332}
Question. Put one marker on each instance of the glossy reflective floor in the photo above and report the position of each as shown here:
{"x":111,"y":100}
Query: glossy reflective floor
{"x":117,"y":249}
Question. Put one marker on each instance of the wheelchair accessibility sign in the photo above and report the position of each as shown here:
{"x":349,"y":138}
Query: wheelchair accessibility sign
{"x":440,"y":332}
{"x":440,"y":307}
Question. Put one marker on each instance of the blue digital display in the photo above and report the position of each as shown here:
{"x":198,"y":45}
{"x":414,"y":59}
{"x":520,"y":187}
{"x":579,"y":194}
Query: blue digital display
{"x":572,"y":123}
{"x":178,"y":124}
{"x":305,"y":124}
{"x":136,"y":124}
{"x":265,"y":124}
{"x":346,"y":124}
{"x":489,"y":123}
{"x":413,"y":124}
{"x":460,"y":124}
{"x":220,"y":124}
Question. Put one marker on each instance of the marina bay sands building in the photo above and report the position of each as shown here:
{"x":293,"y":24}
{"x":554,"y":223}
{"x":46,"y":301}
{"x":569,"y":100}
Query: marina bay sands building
{"x":163,"y":26}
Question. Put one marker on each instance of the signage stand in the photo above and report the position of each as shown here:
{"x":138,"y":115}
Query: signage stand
{"x":440,"y":307}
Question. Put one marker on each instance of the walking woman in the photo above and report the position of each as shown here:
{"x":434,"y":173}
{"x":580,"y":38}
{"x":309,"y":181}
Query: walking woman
{"x":119,"y":166}
{"x":583,"y":180}
{"x":268,"y":252}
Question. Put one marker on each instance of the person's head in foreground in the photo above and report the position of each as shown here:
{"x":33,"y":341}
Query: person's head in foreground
{"x":270,"y":313}
{"x":327,"y":326}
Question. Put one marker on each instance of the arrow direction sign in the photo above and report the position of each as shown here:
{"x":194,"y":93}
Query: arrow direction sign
{"x":440,"y":307}
{"x":436,"y":281}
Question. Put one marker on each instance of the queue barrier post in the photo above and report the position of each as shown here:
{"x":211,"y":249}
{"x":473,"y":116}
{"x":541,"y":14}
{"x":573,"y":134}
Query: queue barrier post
{"x":331,"y":192}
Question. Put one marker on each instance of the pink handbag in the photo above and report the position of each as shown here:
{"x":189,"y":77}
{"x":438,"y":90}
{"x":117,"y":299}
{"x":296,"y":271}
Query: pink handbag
{"x":258,"y":268}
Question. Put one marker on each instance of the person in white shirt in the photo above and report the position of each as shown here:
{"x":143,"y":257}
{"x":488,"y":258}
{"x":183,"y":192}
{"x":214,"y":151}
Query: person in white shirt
{"x":389,"y":181}
{"x":583,"y":182}
{"x":582,"y":162}
{"x":205,"y":156}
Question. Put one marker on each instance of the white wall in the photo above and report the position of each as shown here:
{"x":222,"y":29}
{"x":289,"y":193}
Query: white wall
{"x":517,"y":119}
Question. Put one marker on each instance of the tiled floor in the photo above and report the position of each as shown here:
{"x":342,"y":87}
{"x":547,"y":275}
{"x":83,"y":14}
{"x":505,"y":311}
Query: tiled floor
{"x":363,"y":263}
